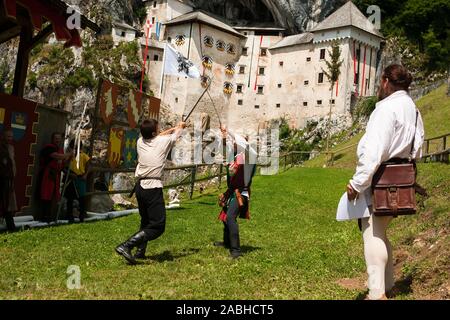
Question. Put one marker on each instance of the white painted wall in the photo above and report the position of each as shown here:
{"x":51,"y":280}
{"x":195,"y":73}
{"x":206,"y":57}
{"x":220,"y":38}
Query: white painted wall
{"x":180,"y":93}
{"x":117,"y":35}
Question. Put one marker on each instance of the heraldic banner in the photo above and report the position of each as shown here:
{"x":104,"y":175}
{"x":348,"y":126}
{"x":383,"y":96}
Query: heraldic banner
{"x":19,"y":115}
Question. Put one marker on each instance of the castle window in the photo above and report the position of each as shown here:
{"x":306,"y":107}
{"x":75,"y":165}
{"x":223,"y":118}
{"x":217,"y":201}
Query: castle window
{"x":322,"y":54}
{"x":260,"y":89}
{"x":281,"y":63}
{"x":305,"y":104}
{"x":261,"y":71}
{"x":320,"y":77}
{"x":123,"y":34}
{"x":240,"y":102}
{"x":279,"y":85}
{"x":176,"y":100}
{"x":356,"y":81}
{"x":263,"y":52}
{"x":153,"y":20}
{"x":278,"y":105}
{"x":319,"y":102}
{"x":154,"y":4}
{"x":245,"y":51}
{"x":308,"y":59}
{"x":257,"y":106}
{"x":332,"y":101}
{"x":239,"y":88}
{"x":306,"y":82}
{"x":155,"y":57}
{"x":242,"y":69}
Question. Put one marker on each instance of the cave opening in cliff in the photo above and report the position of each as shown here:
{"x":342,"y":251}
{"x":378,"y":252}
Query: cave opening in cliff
{"x":243,"y":13}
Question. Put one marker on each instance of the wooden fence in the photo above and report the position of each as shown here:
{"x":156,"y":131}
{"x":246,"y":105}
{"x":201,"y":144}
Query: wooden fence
{"x":436,"y":149}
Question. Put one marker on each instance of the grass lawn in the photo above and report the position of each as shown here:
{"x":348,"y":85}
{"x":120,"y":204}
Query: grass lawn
{"x":293,"y":249}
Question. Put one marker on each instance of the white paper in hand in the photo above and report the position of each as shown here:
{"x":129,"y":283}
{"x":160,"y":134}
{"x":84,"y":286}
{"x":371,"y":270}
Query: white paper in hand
{"x":348,"y":210}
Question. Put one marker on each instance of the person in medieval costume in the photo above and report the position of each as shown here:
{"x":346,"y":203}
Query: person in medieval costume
{"x":235,"y":200}
{"x":152,"y":149}
{"x":76,"y":186}
{"x":394,"y":133}
{"x":51,"y":163}
{"x":8,"y":204}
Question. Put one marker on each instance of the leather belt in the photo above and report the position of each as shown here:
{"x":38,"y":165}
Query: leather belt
{"x":138,"y":182}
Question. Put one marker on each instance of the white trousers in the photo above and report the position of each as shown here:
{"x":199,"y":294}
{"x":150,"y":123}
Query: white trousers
{"x":378,"y":255}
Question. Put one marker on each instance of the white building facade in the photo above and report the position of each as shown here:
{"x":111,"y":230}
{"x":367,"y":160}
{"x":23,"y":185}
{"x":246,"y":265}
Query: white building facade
{"x":257,"y":73}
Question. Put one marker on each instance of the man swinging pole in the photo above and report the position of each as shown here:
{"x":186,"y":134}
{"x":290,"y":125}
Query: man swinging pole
{"x":152,"y":148}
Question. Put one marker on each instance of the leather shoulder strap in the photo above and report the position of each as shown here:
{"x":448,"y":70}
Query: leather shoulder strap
{"x":414,"y":137}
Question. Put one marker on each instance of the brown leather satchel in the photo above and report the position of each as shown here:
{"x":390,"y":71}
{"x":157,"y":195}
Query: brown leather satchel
{"x":394,"y":187}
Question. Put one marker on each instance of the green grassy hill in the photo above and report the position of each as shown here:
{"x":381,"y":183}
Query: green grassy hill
{"x":435,"y":110}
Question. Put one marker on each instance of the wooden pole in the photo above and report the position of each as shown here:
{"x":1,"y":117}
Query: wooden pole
{"x":23,"y":58}
{"x":194,"y":171}
{"x":220,"y":174}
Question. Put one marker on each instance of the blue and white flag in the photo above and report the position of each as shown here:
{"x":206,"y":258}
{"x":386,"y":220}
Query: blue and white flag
{"x":176,"y":64}
{"x":158,"y":29}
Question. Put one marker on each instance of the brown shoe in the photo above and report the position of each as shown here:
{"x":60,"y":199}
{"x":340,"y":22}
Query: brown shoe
{"x":383,"y":297}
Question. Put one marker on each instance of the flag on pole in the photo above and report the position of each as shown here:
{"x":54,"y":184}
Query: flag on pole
{"x":145,"y":53}
{"x":158,"y":30}
{"x":176,"y":64}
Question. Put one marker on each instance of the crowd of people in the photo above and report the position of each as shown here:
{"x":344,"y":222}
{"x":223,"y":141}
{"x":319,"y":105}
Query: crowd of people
{"x":53,"y":162}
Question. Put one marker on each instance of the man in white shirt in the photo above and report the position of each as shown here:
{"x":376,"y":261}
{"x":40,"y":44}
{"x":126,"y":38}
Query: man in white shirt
{"x":152,"y":149}
{"x":393,"y":126}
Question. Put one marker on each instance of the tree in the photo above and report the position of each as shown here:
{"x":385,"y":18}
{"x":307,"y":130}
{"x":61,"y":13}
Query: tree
{"x":332,"y":73}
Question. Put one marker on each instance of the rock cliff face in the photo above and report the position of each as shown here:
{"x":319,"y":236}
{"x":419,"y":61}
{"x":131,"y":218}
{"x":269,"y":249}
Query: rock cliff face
{"x":294,"y":15}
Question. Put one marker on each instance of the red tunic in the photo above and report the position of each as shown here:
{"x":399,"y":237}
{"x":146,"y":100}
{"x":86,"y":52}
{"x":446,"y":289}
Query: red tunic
{"x":50,"y":171}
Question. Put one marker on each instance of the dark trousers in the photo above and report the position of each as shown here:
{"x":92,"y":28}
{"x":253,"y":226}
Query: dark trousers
{"x":81,"y":207}
{"x":5,"y":191}
{"x":48,"y":212}
{"x":9,"y":219}
{"x":152,"y":210}
{"x":231,"y":228}
{"x":71,"y":195}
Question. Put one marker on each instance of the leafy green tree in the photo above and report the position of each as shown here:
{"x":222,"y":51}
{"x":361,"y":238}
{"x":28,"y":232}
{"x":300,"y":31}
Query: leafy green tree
{"x":332,"y":73}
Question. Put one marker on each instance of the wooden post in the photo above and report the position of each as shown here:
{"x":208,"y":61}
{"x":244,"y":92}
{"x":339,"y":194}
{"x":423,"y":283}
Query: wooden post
{"x":23,"y":57}
{"x":444,"y":143}
{"x":95,"y":122}
{"x":428,"y":147}
{"x":193,"y":172}
{"x":285,"y":160}
{"x":220,"y":174}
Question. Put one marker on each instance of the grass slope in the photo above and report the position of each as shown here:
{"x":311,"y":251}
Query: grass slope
{"x":435,"y":110}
